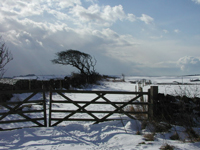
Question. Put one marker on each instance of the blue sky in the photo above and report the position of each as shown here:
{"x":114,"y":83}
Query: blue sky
{"x":133,"y":37}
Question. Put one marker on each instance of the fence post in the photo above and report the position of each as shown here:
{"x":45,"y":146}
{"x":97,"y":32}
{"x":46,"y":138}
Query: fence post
{"x":50,"y":105}
{"x":29,"y":84}
{"x":153,"y":98}
{"x":44,"y":107}
{"x":142,"y":97}
{"x":60,"y":85}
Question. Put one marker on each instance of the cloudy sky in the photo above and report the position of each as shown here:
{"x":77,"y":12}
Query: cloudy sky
{"x":133,"y":37}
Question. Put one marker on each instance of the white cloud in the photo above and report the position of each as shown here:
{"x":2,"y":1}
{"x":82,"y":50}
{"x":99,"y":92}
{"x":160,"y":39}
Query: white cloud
{"x":156,"y":37}
{"x":92,"y":1}
{"x":166,"y":64}
{"x":131,"y":17}
{"x":58,"y":15}
{"x":22,"y":8}
{"x":165,"y":31}
{"x":196,"y":1}
{"x":39,"y":42}
{"x":189,"y":63}
{"x":147,"y":19}
{"x":85,"y":15}
{"x":101,"y":16}
{"x":176,"y":30}
{"x":69,"y":3}
{"x":70,"y":11}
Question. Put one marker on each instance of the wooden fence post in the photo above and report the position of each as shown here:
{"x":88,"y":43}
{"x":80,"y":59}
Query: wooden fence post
{"x":60,"y":84}
{"x":29,"y":84}
{"x":44,"y":107}
{"x":50,"y":106}
{"x":150,"y":106}
{"x":142,"y":97}
{"x":153,"y":98}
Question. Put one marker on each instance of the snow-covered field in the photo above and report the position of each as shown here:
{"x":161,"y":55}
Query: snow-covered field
{"x":111,"y":135}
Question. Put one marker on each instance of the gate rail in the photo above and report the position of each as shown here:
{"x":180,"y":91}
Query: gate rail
{"x":81,"y":106}
{"x":69,"y":115}
{"x":16,"y":108}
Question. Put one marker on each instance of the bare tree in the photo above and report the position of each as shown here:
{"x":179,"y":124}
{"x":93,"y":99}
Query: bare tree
{"x":82,"y":61}
{"x":5,"y":57}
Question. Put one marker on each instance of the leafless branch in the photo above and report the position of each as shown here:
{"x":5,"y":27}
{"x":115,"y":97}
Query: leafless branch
{"x":5,"y":57}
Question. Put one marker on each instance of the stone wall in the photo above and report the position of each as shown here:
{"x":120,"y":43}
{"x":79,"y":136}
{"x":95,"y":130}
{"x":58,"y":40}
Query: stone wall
{"x":23,"y":84}
{"x":173,"y":107}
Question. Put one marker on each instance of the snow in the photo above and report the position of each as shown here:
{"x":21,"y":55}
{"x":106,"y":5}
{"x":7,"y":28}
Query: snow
{"x":111,"y":135}
{"x":40,"y":77}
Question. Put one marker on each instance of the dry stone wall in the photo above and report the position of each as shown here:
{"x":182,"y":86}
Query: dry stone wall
{"x":174,"y":107}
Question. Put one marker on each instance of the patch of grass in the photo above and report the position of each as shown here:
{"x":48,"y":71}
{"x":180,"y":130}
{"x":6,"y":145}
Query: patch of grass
{"x":149,"y":137}
{"x":192,"y":133}
{"x":138,"y":133}
{"x":161,"y":127}
{"x":144,"y":124}
{"x":167,"y":147}
{"x":138,"y":111}
{"x":156,"y":126}
{"x":193,"y":136}
{"x":142,"y":143}
{"x":175,"y":136}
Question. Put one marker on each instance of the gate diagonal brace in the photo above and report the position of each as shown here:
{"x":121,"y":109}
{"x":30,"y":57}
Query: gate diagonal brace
{"x":118,"y":109}
{"x":81,"y":108}
{"x":21,"y":114}
{"x":18,"y":105}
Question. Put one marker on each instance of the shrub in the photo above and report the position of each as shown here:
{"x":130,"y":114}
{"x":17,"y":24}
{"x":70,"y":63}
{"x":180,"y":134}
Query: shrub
{"x":78,"y":80}
{"x":94,"y":78}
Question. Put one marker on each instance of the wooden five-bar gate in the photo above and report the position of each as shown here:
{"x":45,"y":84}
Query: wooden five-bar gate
{"x":11,"y":108}
{"x":73,"y":107}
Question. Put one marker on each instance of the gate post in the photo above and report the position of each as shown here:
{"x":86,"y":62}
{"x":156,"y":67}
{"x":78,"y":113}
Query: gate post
{"x":153,"y":98}
{"x":44,"y":107}
{"x":50,"y":107}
